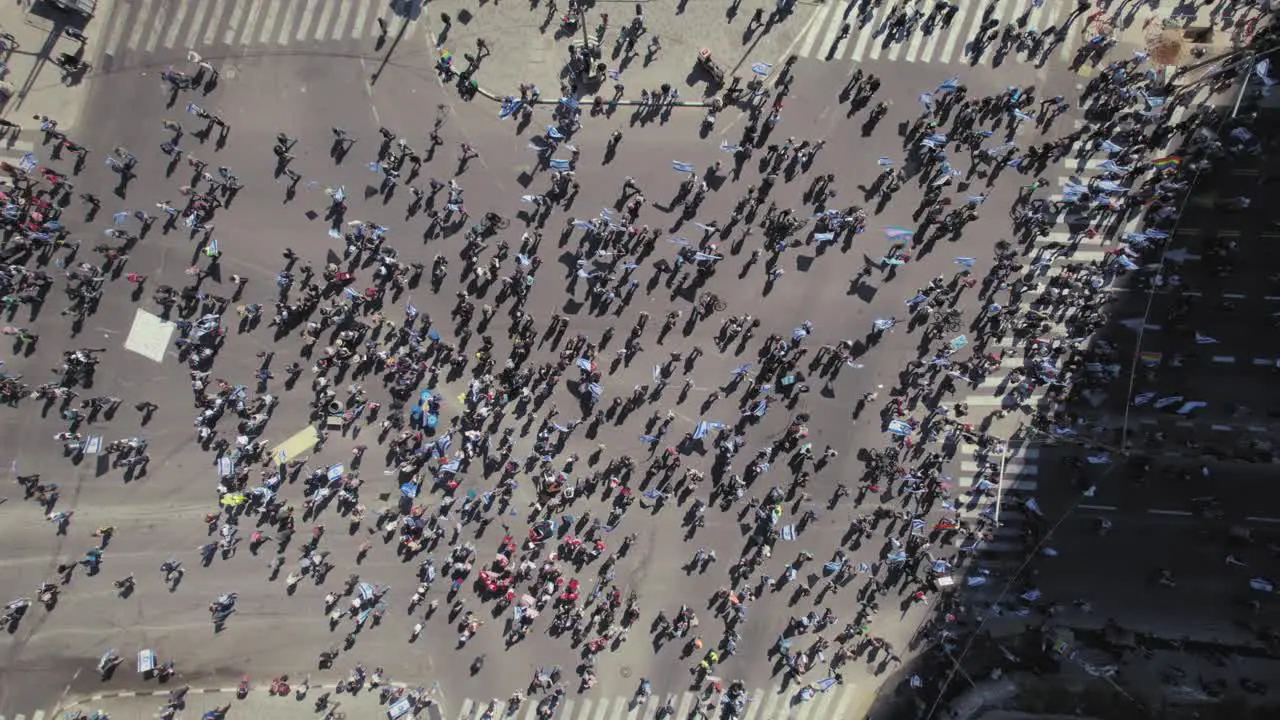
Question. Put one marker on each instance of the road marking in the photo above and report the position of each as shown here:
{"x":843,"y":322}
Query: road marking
{"x":308,"y":16}
{"x":1173,"y":513}
{"x":361,"y":16}
{"x":251,"y":23}
{"x":139,"y":24}
{"x":1224,"y":358}
{"x":237,"y":18}
{"x":197,"y":24}
{"x":175,"y":25}
{"x":956,"y":38}
{"x":115,"y":29}
{"x":813,"y":29}
{"x":325,"y":16}
{"x":1100,"y":508}
{"x":833,"y":45}
{"x":214,"y":22}
{"x":344,"y":13}
{"x":269,"y":24}
{"x":289,"y":16}
{"x":1255,"y":518}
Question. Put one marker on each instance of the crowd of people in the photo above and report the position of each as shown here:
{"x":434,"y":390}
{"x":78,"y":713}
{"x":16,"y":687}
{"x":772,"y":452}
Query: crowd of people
{"x":371,"y":366}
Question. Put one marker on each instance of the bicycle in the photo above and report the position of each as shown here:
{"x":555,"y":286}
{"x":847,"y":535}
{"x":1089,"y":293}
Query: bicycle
{"x":713,"y":301}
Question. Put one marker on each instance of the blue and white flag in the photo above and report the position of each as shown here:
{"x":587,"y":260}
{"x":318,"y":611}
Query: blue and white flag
{"x":120,"y":217}
{"x":965,"y":261}
{"x":583,"y":224}
{"x":657,"y":373}
{"x":919,"y":298}
{"x":374,"y":167}
{"x":949,"y":84}
{"x":1205,"y":339}
{"x":704,"y":257}
{"x":28,"y":162}
{"x":682,"y":242}
{"x":569,"y":102}
{"x":595,"y":390}
{"x":1126,"y":263}
{"x":1108,"y":146}
{"x":410,"y":310}
{"x":938,"y":138}
{"x":648,"y":439}
{"x":1021,"y":116}
{"x":701,"y":429}
{"x":1111,"y":186}
{"x":899,"y":427}
{"x":1111,"y":166}
{"x":683,"y":167}
{"x":443,"y":442}
{"x":558,"y":164}
{"x":741,"y":370}
{"x":1154,"y":233}
{"x":450,"y":467}
{"x":824,"y":237}
{"x":787,"y":532}
{"x":926,"y":99}
{"x":725,"y":146}
{"x":553,"y":133}
{"x":882,"y":324}
{"x":760,"y":407}
{"x":761,"y":68}
{"x":884,"y":162}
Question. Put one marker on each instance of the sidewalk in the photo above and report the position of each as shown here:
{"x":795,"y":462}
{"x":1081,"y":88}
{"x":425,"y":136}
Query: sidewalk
{"x":38,"y":87}
{"x":529,"y":44}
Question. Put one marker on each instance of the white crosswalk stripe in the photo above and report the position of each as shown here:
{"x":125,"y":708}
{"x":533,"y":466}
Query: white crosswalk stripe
{"x":869,"y":41}
{"x":836,"y":702}
{"x":37,"y":715}
{"x":156,"y":26}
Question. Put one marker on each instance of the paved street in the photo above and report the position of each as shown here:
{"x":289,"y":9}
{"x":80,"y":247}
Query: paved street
{"x":721,"y":407}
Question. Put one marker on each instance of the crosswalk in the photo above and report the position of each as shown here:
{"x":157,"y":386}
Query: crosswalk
{"x":37,"y":715}
{"x":156,"y":26}
{"x":821,"y":38}
{"x":998,"y":558}
{"x":839,"y":701}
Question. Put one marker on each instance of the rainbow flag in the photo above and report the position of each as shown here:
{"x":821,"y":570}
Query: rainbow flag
{"x":1164,"y":162}
{"x":1151,"y":358}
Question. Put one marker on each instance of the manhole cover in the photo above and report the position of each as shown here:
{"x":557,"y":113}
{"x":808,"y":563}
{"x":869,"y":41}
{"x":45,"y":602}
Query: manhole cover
{"x":625,"y":671}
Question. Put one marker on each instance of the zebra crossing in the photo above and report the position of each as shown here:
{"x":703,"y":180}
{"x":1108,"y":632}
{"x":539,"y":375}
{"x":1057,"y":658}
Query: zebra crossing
{"x":155,"y":26}
{"x":839,"y":701}
{"x":1004,"y":552}
{"x":37,"y":715}
{"x":820,"y":39}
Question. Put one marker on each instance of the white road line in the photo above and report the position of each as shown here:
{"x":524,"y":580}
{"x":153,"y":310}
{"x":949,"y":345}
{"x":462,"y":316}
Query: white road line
{"x":963,"y":39}
{"x":325,"y":16}
{"x":245,"y":36}
{"x":688,"y":701}
{"x":832,"y":43}
{"x":344,"y":13}
{"x":917,"y":39}
{"x":585,"y":704}
{"x":237,"y":18}
{"x":877,"y":42}
{"x":139,"y":24}
{"x":213,"y":23}
{"x":467,"y":710}
{"x":358,"y":30}
{"x":1174,"y":513}
{"x":860,"y":43}
{"x":197,"y":24}
{"x":308,"y":16}
{"x":290,"y":16}
{"x":932,"y":42}
{"x":115,"y":30}
{"x":847,"y":696}
{"x":175,"y":24}
{"x":269,"y":23}
{"x":753,"y":707}
{"x":813,"y":29}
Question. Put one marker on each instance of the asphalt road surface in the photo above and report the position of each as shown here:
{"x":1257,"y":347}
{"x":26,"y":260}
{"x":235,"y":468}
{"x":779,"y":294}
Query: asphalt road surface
{"x":159,"y":513}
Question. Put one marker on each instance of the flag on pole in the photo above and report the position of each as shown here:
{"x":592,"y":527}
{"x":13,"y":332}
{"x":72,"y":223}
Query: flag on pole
{"x":884,"y":162}
{"x":683,"y":167}
{"x":558,"y":164}
{"x":553,"y":133}
{"x":965,"y":261}
{"x":1205,"y":339}
{"x":949,"y":84}
{"x":761,"y":68}
{"x":899,"y":427}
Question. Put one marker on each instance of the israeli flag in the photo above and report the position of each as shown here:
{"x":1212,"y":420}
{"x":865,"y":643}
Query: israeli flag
{"x":964,"y":261}
{"x":1157,"y":234}
{"x":1126,"y":263}
{"x":595,"y":390}
{"x":760,"y":407}
{"x":824,"y":237}
{"x":1021,"y":115}
{"x":1205,"y":339}
{"x":1111,"y":166}
{"x":350,"y":293}
{"x":899,"y":427}
{"x":761,"y":68}
{"x":683,"y":167}
{"x":443,"y":442}
{"x":741,"y":370}
{"x":787,"y":532}
{"x":1153,"y":102}
{"x":583,"y":224}
{"x":648,"y":439}
{"x":1111,"y":186}
{"x":882,"y":324}
{"x":559,"y":428}
{"x":926,"y":99}
{"x":569,"y":102}
{"x":558,"y":164}
{"x":374,"y":167}
{"x":120,"y":217}
{"x":917,"y":299}
{"x":553,"y":133}
{"x":194,"y":109}
{"x":725,"y":146}
{"x":450,"y":467}
{"x":1108,"y":146}
{"x":410,"y":310}
{"x":703,"y":257}
{"x":700,"y":431}
{"x":938,"y":138}
{"x":683,"y":242}
{"x":530,"y":199}
{"x":949,"y":84}
{"x":657,"y":373}
{"x":884,"y":162}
